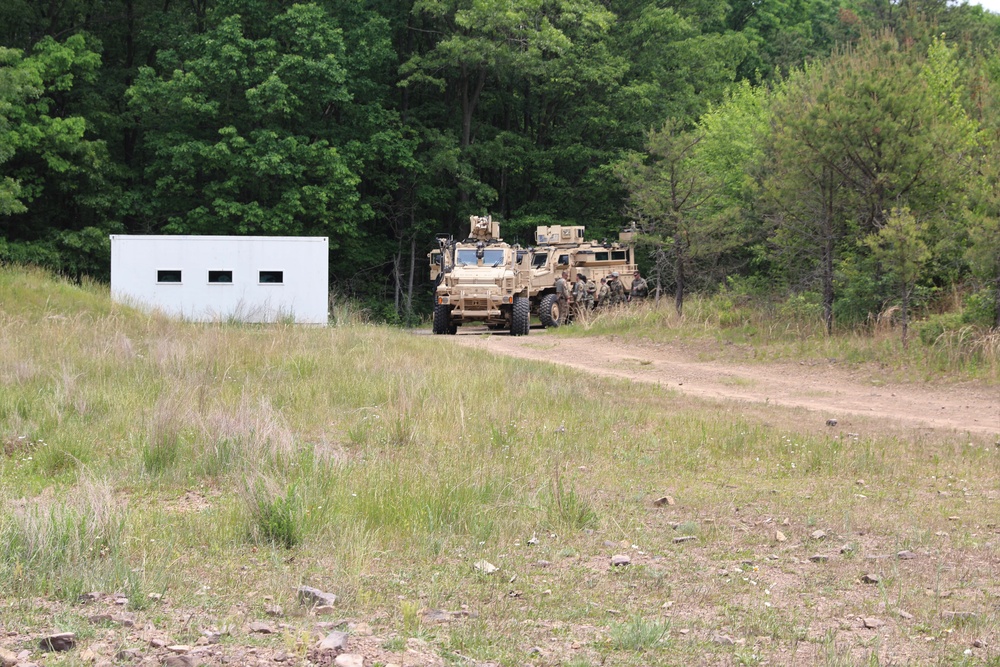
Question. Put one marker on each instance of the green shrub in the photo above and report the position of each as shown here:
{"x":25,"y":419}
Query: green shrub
{"x":274,"y":518}
{"x":931,"y":329}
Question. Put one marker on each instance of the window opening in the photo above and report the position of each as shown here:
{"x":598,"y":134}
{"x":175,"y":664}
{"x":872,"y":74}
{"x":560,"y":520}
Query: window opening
{"x":220,"y":277}
{"x":272,"y":277}
{"x":168,"y":276}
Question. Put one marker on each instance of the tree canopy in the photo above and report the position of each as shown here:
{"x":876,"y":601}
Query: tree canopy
{"x":799,"y":127}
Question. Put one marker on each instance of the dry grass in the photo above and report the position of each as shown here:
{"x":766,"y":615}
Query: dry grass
{"x":176,"y":458}
{"x":783,"y":333}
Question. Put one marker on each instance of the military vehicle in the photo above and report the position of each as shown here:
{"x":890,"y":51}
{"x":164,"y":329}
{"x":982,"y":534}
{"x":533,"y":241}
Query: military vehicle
{"x":476,"y":279}
{"x":485,"y":280}
{"x":564,"y":248}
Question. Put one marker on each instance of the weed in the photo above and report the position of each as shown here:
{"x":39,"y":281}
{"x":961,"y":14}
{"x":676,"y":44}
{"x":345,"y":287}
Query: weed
{"x":639,"y":634}
{"x":410,"y":611}
{"x":565,"y":508}
{"x":275,"y":517}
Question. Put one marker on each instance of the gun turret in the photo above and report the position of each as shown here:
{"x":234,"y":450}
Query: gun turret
{"x":483,"y":228}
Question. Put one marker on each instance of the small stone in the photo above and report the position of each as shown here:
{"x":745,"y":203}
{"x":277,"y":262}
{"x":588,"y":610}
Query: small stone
{"x":201,"y":641}
{"x":905,"y":615}
{"x":314,"y":596}
{"x":532,"y":541}
{"x":779,"y":536}
{"x":361,"y":629}
{"x":261,"y":628}
{"x":723,"y":640}
{"x":62,"y":641}
{"x":818,"y":535}
{"x":831,"y":422}
{"x":7,"y":658}
{"x":177,"y":661}
{"x":349,"y":660}
{"x":324,"y":610}
{"x":846,"y":549}
{"x":542,"y":563}
{"x":664,"y":500}
{"x":280,"y":656}
{"x":97,"y":619}
{"x":872,"y":623}
{"x":335,"y":641}
{"x":437,"y":616}
{"x":619,"y":560}
{"x":978,"y":643}
{"x":819,"y":558}
{"x":124,"y":618}
{"x":870,"y":578}
{"x":179,"y":648}
{"x":485,"y":566}
{"x":88,"y":655}
{"x":156,"y":642}
{"x":128,"y":654}
{"x":274,"y":611}
{"x":684,"y":538}
{"x":906,"y":555}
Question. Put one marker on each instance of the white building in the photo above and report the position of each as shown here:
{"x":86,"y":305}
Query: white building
{"x":212,"y":278}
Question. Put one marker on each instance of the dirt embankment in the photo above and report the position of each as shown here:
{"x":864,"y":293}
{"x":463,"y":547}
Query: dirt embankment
{"x":826,"y":388}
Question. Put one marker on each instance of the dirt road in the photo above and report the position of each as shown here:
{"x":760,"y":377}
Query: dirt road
{"x":829,"y":389}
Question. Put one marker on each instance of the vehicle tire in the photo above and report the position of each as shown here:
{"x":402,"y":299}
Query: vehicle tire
{"x":520,"y":320}
{"x":442,"y":319}
{"x":549,"y":311}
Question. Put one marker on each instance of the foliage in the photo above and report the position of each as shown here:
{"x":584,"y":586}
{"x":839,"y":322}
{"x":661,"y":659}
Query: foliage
{"x":274,"y":517}
{"x":380,"y":124}
{"x":899,"y":246}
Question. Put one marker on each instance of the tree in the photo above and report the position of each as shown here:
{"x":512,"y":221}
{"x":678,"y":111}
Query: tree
{"x":899,"y":245}
{"x":668,"y":193}
{"x":242,"y":129}
{"x":876,"y":125}
{"x":47,"y":160}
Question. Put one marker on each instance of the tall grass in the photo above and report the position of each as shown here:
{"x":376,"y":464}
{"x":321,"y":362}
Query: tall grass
{"x":216,"y":460}
{"x":767,"y":332}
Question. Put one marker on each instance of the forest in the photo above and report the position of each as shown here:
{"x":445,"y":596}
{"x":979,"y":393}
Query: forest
{"x":835,"y":156}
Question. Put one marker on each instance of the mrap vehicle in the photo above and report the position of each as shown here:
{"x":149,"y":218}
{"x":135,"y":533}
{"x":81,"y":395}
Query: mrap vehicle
{"x":486,"y":280}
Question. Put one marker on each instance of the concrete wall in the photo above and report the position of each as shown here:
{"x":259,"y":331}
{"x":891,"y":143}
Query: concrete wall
{"x":144,"y":272}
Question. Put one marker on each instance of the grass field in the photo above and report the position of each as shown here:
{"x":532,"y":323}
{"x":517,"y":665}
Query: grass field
{"x":196,"y":475}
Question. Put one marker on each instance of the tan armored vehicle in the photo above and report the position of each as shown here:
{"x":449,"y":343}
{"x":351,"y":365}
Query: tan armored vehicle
{"x":476,"y":281}
{"x":564,"y":248}
{"x":485,"y":280}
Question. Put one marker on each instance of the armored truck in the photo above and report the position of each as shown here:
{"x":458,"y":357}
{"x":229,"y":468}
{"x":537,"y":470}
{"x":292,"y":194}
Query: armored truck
{"x":486,"y":280}
{"x":476,"y":281}
{"x":564,"y":248}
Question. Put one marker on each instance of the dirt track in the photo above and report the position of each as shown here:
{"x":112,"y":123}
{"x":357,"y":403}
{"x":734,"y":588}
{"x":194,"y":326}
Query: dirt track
{"x":826,"y":388}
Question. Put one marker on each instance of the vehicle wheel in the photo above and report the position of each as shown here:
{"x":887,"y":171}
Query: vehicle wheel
{"x":549,"y":311}
{"x":520,"y":320}
{"x":442,"y":319}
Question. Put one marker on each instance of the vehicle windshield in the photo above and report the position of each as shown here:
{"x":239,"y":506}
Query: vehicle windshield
{"x":491,"y":257}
